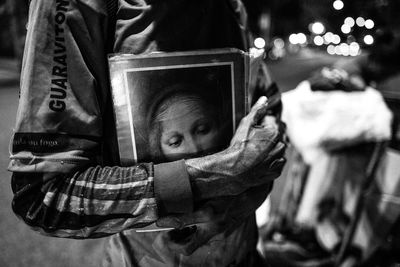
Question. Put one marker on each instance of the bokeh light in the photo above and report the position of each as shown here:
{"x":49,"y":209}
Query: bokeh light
{"x":345,"y":29}
{"x":279,"y":43}
{"x":360,"y":21}
{"x":259,"y":43}
{"x":368,"y":39}
{"x":336,"y":39}
{"x":338,"y":4}
{"x":330,"y":49}
{"x":299,"y":38}
{"x":345,"y":50}
{"x":318,"y":40}
{"x":354,"y":49}
{"x":369,"y":24}
{"x":318,"y":28}
{"x":328,"y":37}
{"x":302,"y":38}
{"x":349,"y":21}
{"x":338,"y":51}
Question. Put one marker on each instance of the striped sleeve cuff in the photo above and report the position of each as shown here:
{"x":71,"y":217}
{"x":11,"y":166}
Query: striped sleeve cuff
{"x":172,"y":188}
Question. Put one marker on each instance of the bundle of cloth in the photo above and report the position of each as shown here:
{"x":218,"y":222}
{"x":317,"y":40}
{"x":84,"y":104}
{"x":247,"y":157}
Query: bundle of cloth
{"x":333,"y":123}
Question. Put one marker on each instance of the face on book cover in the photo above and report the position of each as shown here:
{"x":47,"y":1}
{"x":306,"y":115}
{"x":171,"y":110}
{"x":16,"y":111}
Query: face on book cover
{"x":188,"y":126}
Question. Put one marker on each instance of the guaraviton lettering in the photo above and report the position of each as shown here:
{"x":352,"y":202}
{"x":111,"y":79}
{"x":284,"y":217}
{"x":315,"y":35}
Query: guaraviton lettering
{"x":59,"y":81}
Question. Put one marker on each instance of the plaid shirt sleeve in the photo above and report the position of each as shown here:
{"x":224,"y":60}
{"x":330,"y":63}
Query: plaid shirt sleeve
{"x":92,"y":203}
{"x":100,"y":201}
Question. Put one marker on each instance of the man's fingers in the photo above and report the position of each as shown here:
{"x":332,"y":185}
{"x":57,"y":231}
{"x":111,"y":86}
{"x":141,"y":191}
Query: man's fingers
{"x":260,"y":102}
{"x":278,"y":151}
{"x":259,"y":110}
{"x":259,"y":116}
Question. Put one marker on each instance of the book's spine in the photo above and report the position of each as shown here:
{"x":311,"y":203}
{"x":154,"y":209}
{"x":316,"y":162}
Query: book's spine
{"x":122,"y":113}
{"x":246,"y":85}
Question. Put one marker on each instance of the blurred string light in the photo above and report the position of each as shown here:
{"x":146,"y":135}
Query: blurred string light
{"x":317,"y":27}
{"x":278,"y":49}
{"x":354,"y":49}
{"x":318,"y":40}
{"x":345,"y":29}
{"x":330,"y":49}
{"x":369,"y":24}
{"x":360,"y":21}
{"x":336,"y":39}
{"x":368,"y":39}
{"x":259,"y":43}
{"x":345,"y":50}
{"x":328,"y":38}
{"x":298,"y":38}
{"x":279,"y":43}
{"x":349,"y":21}
{"x":338,"y":4}
{"x":338,"y":51}
{"x":293,"y":38}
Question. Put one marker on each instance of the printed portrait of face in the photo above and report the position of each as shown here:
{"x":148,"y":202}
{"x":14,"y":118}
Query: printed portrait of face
{"x":184,"y":124}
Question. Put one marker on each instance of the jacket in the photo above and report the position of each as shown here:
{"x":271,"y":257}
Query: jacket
{"x":64,"y":159}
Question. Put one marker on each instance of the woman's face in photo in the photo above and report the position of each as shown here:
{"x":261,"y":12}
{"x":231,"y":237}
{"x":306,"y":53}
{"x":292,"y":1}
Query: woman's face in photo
{"x":188,"y":128}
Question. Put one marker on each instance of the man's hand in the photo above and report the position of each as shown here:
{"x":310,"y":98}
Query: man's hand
{"x":254,"y":157}
{"x":221,"y":215}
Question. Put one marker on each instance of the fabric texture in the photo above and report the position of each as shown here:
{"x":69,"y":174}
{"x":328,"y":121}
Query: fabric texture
{"x":319,"y":121}
{"x":173,"y":181}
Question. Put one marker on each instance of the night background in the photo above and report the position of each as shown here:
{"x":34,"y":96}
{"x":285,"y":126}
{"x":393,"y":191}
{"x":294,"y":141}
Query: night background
{"x":300,"y":37}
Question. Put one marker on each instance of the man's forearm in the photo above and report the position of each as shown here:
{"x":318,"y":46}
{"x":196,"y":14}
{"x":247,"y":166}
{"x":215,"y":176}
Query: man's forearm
{"x":218,"y":175}
{"x":91,"y":203}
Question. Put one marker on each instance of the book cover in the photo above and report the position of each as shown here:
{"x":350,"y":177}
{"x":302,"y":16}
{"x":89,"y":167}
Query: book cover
{"x":177,"y":105}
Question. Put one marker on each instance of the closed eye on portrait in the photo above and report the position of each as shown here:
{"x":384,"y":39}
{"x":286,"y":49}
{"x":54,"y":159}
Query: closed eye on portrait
{"x":175,"y":140}
{"x":202,"y":127}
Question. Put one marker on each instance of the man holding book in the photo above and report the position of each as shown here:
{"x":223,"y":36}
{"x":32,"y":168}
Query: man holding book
{"x":66,"y":177}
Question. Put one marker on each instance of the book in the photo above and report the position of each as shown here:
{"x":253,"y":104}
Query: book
{"x":175,"y":105}
{"x":137,"y":81}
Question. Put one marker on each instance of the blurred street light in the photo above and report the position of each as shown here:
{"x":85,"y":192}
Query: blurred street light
{"x":293,"y":38}
{"x":345,"y":28}
{"x":259,"y":43}
{"x":330,"y":49}
{"x":279,"y":43}
{"x":360,"y":21}
{"x":354,"y":49}
{"x":345,"y":50}
{"x":338,"y":51}
{"x":302,"y":38}
{"x":328,"y":37}
{"x":368,"y":39}
{"x":369,"y":24}
{"x":318,"y":40}
{"x":349,"y":21}
{"x":338,"y":4}
{"x":318,"y":28}
{"x":299,"y":38}
{"x":336,"y":39}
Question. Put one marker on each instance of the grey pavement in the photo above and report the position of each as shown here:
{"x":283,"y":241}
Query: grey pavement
{"x":9,"y":72}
